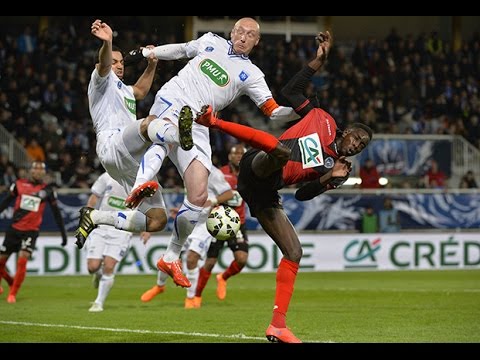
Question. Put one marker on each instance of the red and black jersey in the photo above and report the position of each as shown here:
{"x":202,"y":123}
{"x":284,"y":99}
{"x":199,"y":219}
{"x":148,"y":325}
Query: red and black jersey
{"x":312,"y":141}
{"x":232,"y":179}
{"x":31,"y":199}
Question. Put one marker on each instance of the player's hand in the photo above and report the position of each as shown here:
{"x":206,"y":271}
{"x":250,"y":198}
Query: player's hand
{"x":325,"y":43}
{"x":145,"y":236}
{"x":152,"y":59}
{"x":173,"y":212}
{"x":64,"y":241}
{"x":102,"y":31}
{"x":341,"y":168}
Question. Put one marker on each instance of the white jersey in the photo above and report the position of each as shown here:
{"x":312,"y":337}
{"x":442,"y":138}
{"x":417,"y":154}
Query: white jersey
{"x":112,"y":103}
{"x":217,"y":184}
{"x":216,"y":76}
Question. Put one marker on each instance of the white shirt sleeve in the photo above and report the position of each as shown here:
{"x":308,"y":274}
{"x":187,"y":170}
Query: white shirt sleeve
{"x":99,"y":187}
{"x":217,"y":184}
{"x":177,"y":51}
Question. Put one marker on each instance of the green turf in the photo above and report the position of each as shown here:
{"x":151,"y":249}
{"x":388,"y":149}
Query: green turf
{"x":352,"y":307}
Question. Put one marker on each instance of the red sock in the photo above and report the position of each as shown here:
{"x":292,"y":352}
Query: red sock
{"x":232,"y":270}
{"x":257,"y":138}
{"x":4,"y":273}
{"x":286,"y":275}
{"x":19,"y":276}
{"x":203,"y":277}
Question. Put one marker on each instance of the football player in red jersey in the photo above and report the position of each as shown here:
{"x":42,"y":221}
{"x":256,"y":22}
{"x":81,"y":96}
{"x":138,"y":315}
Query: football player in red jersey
{"x":312,"y":152}
{"x":31,"y":199}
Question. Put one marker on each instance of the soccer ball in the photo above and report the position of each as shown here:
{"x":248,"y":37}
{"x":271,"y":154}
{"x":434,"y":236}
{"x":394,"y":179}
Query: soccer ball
{"x":223,"y":222}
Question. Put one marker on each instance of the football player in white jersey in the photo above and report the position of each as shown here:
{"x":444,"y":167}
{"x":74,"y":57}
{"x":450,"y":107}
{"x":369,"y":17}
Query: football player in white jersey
{"x":121,"y":143}
{"x":198,"y":242}
{"x":218,"y":73}
{"x":106,"y":246}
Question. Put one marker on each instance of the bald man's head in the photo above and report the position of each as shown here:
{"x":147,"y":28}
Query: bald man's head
{"x":245,"y":36}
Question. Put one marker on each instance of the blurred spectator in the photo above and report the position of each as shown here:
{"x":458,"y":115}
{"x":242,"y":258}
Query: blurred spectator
{"x":26,"y":42}
{"x":369,"y":175}
{"x":468,"y":181}
{"x":35,"y":151}
{"x":7,"y":177}
{"x":369,"y":221}
{"x":435,"y":178}
{"x":389,"y":218}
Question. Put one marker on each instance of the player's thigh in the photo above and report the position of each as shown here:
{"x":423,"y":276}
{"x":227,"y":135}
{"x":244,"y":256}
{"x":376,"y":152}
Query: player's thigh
{"x":200,"y":245}
{"x":240,"y":243}
{"x":133,"y":141}
{"x":96,"y":244}
{"x":201,"y":151}
{"x":118,"y":246}
{"x":215,"y":247}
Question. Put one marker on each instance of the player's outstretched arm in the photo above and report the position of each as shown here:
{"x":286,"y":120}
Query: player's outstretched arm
{"x":295,"y":89}
{"x":104,"y":32}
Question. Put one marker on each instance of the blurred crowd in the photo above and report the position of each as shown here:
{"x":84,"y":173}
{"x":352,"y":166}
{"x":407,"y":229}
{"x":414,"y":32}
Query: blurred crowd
{"x":414,"y":84}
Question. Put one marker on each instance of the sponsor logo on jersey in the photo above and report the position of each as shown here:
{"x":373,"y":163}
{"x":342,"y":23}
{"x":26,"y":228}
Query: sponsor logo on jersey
{"x":215,"y":72}
{"x":131,"y":106}
{"x":116,"y":202}
{"x":311,"y":149}
{"x":119,"y":85}
{"x":30,"y":203}
{"x":243,"y":76}
{"x":209,"y":49}
{"x":329,"y":126}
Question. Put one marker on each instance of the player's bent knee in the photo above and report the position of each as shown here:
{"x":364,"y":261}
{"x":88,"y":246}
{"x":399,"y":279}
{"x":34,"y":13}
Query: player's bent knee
{"x":145,"y":124}
{"x":156,"y":220}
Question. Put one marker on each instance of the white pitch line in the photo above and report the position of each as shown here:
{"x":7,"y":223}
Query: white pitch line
{"x":90,"y":328}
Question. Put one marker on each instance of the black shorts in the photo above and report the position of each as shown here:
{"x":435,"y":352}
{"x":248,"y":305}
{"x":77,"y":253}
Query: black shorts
{"x":240,"y":243}
{"x":16,"y":241}
{"x":258,"y":193}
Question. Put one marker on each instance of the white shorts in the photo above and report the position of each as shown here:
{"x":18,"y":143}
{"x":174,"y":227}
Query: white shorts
{"x":199,"y":240}
{"x":108,"y":241}
{"x":168,"y":105}
{"x":120,"y":152}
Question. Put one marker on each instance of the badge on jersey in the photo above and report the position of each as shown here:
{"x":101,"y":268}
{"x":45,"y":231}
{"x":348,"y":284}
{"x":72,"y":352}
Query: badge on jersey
{"x":311,"y":149}
{"x":243,"y":76}
{"x":30,"y":203}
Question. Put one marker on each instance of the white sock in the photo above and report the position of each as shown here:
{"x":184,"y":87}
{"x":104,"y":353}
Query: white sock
{"x":162,"y":278}
{"x":187,"y":218}
{"x":163,"y":132}
{"x":192,"y":275}
{"x":133,"y":221}
{"x":151,"y":163}
{"x":104,"y":217}
{"x":106,"y":284}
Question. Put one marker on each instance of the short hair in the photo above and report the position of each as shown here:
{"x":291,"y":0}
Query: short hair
{"x":114,"y":48}
{"x":367,"y":129}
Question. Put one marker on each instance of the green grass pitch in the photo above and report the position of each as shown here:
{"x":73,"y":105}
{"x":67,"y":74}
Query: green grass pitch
{"x":349,"y":307}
